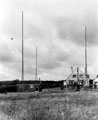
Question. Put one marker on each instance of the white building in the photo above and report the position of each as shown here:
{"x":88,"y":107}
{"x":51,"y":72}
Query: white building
{"x":77,"y":76}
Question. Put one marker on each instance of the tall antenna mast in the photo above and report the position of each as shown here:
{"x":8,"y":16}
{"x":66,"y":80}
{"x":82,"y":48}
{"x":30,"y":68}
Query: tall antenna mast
{"x":36,"y":65}
{"x":22,"y":76}
{"x":85,"y":54}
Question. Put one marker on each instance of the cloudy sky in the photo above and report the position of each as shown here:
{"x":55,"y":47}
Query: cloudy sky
{"x":57,"y":28}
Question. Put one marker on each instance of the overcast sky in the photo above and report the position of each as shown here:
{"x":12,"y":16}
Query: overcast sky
{"x":57,"y":28}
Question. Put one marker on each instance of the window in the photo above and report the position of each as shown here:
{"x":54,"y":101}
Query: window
{"x":31,"y":86}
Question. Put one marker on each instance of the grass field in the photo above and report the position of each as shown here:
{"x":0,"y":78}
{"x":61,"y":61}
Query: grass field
{"x":49,"y":105}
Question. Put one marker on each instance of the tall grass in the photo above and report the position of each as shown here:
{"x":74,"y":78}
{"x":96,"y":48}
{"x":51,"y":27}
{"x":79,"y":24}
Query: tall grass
{"x":52,"y":106}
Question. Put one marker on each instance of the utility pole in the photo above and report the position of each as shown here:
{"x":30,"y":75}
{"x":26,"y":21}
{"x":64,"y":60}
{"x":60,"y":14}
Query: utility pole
{"x":22,"y":76}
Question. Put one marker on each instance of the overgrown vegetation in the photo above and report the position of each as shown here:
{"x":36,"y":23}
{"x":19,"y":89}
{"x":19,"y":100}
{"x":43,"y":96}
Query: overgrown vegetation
{"x":50,"y":106}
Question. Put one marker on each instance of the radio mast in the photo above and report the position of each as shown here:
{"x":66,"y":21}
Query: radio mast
{"x":86,"y":55}
{"x":22,"y":76}
{"x":36,"y":65}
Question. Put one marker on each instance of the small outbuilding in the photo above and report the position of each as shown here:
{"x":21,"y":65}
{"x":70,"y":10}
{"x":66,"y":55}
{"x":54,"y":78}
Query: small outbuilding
{"x":29,"y":86}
